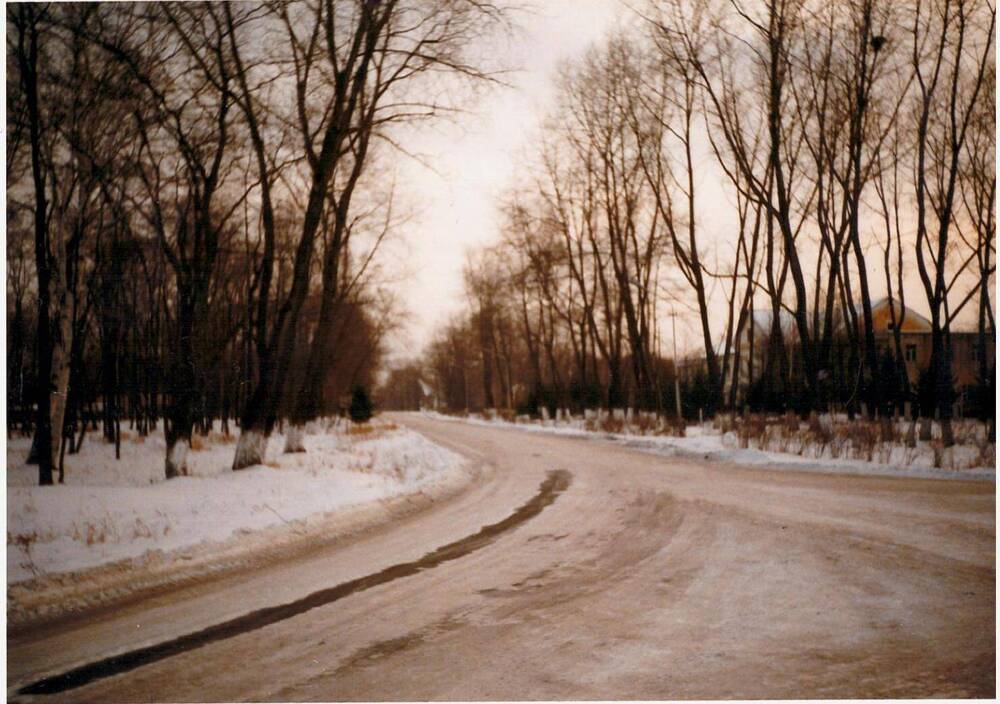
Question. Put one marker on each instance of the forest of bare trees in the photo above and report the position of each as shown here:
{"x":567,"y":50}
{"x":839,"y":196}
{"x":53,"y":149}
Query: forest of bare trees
{"x":851,"y":147}
{"x":197,"y":195}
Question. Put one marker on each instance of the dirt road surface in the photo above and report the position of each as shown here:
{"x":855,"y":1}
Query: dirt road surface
{"x":623,"y":576}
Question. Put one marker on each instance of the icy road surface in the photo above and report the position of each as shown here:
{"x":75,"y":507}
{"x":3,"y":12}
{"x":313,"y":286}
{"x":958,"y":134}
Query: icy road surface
{"x":638,"y":577}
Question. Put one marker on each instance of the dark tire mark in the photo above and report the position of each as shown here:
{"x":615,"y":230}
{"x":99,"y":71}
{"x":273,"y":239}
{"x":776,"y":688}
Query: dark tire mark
{"x":555,"y":483}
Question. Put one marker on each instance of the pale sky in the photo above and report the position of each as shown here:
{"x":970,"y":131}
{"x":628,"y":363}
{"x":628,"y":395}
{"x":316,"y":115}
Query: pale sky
{"x":475,"y":158}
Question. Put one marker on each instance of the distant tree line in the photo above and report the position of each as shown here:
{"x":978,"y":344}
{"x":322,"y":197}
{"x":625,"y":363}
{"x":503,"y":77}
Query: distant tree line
{"x":197,"y":194}
{"x":856,"y":144}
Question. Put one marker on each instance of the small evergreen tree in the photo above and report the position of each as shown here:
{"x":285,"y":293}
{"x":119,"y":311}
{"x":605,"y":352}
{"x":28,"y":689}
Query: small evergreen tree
{"x":699,"y":394}
{"x":892,"y":387}
{"x":925,"y":393}
{"x":361,"y":407}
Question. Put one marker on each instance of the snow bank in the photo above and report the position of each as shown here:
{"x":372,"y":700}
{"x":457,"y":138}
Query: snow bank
{"x":110,"y":510}
{"x":703,"y":442}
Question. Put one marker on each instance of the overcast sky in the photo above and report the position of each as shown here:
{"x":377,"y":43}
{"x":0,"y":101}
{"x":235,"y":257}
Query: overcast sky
{"x":455,"y":204}
{"x":474,"y":159}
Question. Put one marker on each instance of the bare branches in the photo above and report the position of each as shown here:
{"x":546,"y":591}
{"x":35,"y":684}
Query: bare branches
{"x":223,"y":145}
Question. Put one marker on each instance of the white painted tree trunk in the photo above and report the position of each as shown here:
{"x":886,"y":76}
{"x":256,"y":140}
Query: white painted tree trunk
{"x":250,"y":449}
{"x":293,"y":440}
{"x":62,"y":344}
{"x":925,"y":428}
{"x":176,"y":463}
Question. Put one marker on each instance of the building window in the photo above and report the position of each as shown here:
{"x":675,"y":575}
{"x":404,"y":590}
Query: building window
{"x":911,"y":353}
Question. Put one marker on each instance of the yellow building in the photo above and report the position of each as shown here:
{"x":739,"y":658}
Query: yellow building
{"x":915,"y":340}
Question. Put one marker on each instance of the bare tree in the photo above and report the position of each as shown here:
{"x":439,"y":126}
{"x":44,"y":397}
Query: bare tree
{"x":177,"y":57}
{"x":672,"y":114}
{"x":348,"y":55}
{"x":952,"y":43}
{"x":348,"y":60}
{"x":53,"y":363}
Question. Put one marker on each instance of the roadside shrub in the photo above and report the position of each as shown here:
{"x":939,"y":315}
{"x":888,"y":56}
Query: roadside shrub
{"x":725,"y":422}
{"x":987,"y":454}
{"x":791,"y":421}
{"x":752,"y":428}
{"x":361,"y":407}
{"x":888,"y":430}
{"x":645,"y":423}
{"x":777,"y":437}
{"x":864,"y":437}
{"x":937,"y":447}
{"x":612,"y":424}
{"x":820,"y":432}
{"x":968,"y":431}
{"x":676,"y":427}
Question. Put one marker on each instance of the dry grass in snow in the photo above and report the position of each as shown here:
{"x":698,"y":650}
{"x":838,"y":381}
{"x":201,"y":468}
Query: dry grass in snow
{"x":824,"y":443}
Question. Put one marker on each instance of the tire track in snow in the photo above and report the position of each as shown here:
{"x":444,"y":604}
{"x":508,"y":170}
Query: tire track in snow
{"x":556,"y":482}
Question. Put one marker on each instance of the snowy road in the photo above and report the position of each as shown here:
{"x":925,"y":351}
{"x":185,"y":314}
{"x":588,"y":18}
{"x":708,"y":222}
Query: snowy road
{"x":625,"y":575}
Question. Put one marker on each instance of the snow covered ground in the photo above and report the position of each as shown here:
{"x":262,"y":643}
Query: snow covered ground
{"x":112,"y":510}
{"x":705,"y":442}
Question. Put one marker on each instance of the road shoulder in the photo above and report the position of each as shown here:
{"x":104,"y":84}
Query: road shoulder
{"x":56,"y":600}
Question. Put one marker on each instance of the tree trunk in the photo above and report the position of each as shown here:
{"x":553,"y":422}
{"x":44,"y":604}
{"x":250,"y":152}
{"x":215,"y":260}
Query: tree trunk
{"x":27,"y":56}
{"x":925,"y":428}
{"x":260,"y":414}
{"x":183,"y":395}
{"x":486,"y":349}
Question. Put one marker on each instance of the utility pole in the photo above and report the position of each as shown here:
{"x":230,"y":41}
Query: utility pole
{"x":465,"y":387}
{"x":677,"y":369}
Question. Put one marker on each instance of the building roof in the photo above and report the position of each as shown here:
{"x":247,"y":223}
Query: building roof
{"x":911,"y":315}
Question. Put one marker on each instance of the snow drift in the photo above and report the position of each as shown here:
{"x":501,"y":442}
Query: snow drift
{"x":111,"y":510}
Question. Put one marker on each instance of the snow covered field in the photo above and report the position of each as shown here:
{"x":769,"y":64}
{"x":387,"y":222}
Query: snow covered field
{"x":112,"y":510}
{"x":708,"y":443}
